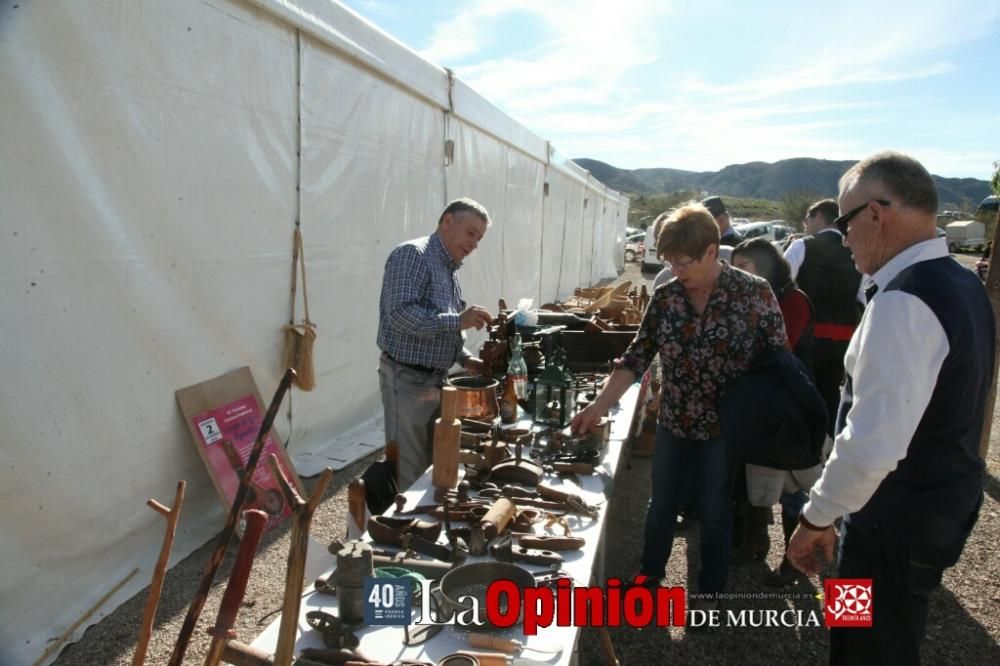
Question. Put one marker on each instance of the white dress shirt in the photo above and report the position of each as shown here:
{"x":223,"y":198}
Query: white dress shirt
{"x":796,"y":252}
{"x":893,"y":360}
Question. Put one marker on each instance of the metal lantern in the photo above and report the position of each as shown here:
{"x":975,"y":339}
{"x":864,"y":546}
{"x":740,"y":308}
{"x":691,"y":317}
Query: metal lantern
{"x":555,"y":397}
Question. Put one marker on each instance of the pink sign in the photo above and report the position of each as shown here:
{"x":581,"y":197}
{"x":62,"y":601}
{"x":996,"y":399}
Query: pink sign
{"x":227,"y":436}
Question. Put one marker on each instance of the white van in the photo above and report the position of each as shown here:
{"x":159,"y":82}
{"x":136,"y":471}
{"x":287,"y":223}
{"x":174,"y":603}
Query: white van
{"x":650,"y":262}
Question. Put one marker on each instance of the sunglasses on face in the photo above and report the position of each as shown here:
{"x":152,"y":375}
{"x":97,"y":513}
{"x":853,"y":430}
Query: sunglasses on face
{"x":841,"y":222}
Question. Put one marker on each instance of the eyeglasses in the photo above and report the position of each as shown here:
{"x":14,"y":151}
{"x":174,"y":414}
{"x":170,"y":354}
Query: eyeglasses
{"x":841,"y":222}
{"x":682,"y":265}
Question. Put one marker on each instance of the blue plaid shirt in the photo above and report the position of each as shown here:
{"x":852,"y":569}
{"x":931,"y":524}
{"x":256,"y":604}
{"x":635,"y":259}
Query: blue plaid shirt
{"x":420,"y":305}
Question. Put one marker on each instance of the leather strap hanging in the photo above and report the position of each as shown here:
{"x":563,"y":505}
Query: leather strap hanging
{"x":299,"y":338}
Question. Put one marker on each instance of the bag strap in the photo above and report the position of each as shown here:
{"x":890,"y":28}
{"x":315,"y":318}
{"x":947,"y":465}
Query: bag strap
{"x":299,"y":264}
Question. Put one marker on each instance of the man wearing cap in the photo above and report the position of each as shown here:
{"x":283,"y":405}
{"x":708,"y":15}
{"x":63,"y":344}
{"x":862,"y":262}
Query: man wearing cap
{"x":905,"y":473}
{"x":729,"y":236}
{"x":824,"y":269}
{"x":422,"y":319}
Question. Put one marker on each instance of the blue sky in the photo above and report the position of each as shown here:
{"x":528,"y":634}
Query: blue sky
{"x":699,"y":84}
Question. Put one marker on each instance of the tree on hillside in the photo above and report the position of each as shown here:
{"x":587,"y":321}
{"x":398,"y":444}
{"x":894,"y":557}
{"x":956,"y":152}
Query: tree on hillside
{"x":995,"y":181}
{"x":795,"y":204}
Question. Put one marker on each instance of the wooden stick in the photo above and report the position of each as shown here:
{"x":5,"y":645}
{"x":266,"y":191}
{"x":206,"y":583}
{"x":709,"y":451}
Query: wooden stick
{"x":609,"y":648}
{"x":201,"y":595}
{"x":90,"y":611}
{"x":256,"y":521}
{"x":288,"y":628}
{"x":993,"y":292}
{"x":159,"y":572}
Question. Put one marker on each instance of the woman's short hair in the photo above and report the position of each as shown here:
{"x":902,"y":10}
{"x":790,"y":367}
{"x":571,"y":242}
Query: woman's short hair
{"x":768,"y":260}
{"x":687,"y":232}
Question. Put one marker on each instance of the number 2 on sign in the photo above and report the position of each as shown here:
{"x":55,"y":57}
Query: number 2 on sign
{"x":382,"y":596}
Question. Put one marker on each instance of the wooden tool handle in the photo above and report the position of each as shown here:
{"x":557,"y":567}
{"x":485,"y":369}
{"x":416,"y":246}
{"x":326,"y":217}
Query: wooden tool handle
{"x":449,"y":404}
{"x":497,"y":518}
{"x":491,"y":642}
{"x":447,"y":447}
{"x":256,"y":521}
{"x":573,"y":468}
{"x":487,"y":659}
{"x":549,"y":493}
{"x":551,"y":542}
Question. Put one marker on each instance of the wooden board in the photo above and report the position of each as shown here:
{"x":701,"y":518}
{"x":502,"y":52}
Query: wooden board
{"x":226,"y":413}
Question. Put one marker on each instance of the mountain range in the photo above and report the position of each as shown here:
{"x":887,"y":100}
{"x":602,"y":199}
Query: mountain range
{"x":765,"y":180}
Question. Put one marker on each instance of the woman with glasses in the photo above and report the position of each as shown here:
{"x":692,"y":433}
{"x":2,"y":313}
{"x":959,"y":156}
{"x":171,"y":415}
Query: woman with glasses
{"x":759,"y":257}
{"x":708,"y":324}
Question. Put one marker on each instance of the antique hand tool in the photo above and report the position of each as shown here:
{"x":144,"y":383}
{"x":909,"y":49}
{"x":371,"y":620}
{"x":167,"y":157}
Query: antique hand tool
{"x":505,"y":551}
{"x":389,"y":530}
{"x":201,"y":595}
{"x":551,"y":542}
{"x":487,"y":659}
{"x":241,"y":654}
{"x":159,"y":572}
{"x":256,"y":521}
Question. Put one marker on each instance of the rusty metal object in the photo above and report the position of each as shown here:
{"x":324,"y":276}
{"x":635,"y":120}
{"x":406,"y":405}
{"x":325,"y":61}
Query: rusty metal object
{"x":477,"y":397}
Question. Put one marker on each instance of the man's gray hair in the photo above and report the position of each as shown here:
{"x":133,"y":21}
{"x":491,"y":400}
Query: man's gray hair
{"x":903,"y":178}
{"x":467,"y":206}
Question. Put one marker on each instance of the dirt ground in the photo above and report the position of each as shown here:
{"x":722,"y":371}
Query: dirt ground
{"x":964,"y":624}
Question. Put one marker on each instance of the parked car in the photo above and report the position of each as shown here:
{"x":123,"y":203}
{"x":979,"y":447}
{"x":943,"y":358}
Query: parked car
{"x":774,"y":230}
{"x":634,"y":246}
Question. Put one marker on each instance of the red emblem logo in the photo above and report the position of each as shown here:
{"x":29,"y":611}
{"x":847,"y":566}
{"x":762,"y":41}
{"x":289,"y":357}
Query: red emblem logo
{"x":848,"y":602}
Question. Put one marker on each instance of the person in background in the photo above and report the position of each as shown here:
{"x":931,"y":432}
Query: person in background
{"x":824,"y":269}
{"x":905,"y":473}
{"x":759,"y":257}
{"x":708,"y":324}
{"x":422,"y":319}
{"x":665,"y":274}
{"x":729,"y":237}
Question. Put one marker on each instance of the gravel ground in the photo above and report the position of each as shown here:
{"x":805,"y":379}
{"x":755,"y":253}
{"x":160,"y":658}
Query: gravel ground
{"x":963,"y":628}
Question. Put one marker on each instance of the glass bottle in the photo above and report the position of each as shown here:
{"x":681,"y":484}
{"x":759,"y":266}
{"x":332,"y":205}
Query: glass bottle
{"x":508,"y":402}
{"x":518,"y":368}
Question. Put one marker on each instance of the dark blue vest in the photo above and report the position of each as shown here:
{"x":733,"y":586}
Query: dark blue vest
{"x":934,"y":493}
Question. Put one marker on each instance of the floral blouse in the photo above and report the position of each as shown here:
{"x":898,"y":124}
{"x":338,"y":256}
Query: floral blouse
{"x":701,"y":355}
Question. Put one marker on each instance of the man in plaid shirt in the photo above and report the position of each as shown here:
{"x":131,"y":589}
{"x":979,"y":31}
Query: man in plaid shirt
{"x":422,"y":317}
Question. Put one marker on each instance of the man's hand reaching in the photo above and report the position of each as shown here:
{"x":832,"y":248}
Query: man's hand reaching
{"x":474,"y":316}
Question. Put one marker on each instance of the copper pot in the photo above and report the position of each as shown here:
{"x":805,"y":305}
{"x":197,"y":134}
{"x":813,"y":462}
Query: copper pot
{"x":477,"y":397}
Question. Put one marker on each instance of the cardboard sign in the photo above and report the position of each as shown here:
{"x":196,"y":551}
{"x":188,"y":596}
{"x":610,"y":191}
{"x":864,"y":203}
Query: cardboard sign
{"x":224,"y":416}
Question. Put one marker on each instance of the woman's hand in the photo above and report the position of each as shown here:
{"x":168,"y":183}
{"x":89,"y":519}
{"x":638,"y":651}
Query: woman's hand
{"x":586,"y":419}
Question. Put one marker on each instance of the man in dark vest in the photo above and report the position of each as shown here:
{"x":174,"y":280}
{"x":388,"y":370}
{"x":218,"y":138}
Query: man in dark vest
{"x":824,"y":269}
{"x":905,"y":472}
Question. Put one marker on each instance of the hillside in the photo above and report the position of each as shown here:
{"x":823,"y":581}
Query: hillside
{"x":763,"y":180}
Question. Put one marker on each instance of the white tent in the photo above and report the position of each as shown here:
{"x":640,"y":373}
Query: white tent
{"x":155,"y":158}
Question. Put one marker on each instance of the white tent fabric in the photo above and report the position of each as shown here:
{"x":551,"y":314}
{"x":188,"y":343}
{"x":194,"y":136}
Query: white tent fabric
{"x":149,"y":186}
